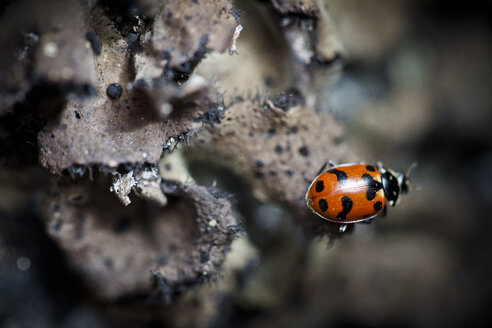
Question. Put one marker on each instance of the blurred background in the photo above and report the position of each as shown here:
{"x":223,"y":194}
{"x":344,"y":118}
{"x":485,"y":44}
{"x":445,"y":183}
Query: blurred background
{"x":415,"y":86}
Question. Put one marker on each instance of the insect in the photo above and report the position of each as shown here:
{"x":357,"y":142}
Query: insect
{"x":355,"y":192}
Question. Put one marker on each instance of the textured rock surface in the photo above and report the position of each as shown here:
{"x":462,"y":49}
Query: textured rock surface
{"x":51,"y":48}
{"x":278,"y":146}
{"x":122,"y":130}
{"x":184,"y":29}
{"x":128,"y":251}
{"x":261,"y":123}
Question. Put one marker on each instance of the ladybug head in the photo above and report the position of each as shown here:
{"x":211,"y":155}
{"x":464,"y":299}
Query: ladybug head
{"x":404,"y":183}
{"x":394,"y":183}
{"x":404,"y":179}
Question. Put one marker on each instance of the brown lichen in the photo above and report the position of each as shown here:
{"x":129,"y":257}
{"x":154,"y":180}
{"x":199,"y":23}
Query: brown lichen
{"x":50,"y":49}
{"x":183,"y":29}
{"x":313,"y":42}
{"x":119,"y":250}
{"x":112,"y":131}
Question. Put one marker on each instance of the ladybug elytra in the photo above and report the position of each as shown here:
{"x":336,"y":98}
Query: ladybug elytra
{"x":355,"y":192}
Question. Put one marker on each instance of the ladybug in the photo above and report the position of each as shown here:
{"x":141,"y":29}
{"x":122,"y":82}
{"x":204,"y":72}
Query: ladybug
{"x":355,"y":192}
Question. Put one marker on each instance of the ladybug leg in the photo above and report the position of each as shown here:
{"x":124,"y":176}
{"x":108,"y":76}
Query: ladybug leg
{"x":342,"y":228}
{"x":379,"y":166}
{"x":384,"y":212}
{"x":328,"y":164}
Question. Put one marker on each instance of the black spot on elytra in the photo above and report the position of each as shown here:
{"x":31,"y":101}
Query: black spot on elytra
{"x":323,"y":204}
{"x":378,"y":206}
{"x":319,"y":186}
{"x":341,"y":176}
{"x":278,"y":149}
{"x":372,"y":186}
{"x":347,"y":206}
{"x":366,"y":216}
{"x":259,"y":164}
{"x":370,"y":168}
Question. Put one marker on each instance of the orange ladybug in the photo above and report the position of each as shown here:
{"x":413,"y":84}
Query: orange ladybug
{"x":354,"y":192}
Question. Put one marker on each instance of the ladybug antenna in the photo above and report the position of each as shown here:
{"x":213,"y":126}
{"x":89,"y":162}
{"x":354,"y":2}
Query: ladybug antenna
{"x":410,"y":169}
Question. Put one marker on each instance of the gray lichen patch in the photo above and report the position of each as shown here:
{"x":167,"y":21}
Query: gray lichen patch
{"x":118,"y":250}
{"x":172,"y":167}
{"x":110,"y":131}
{"x":309,"y":30}
{"x":183,"y":27}
{"x":278,"y":151}
{"x":122,"y":186}
{"x":262,"y":61}
{"x":305,"y":8}
{"x":311,"y":35}
{"x":50,"y":48}
{"x":144,"y":182}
